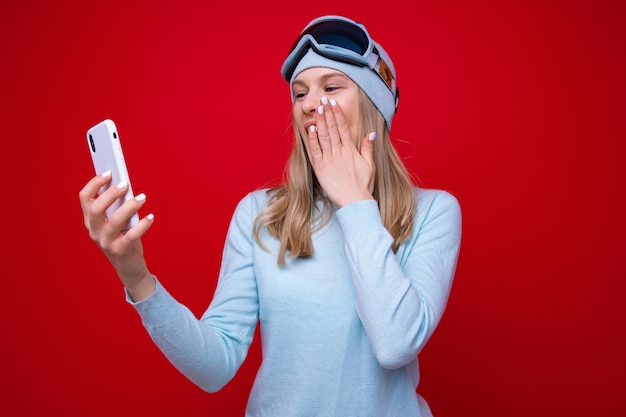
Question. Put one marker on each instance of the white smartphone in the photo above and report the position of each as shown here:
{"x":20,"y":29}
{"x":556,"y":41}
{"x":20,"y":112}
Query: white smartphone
{"x":106,"y":154}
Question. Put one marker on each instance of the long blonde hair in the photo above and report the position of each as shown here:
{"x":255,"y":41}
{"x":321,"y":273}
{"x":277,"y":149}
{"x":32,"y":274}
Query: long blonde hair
{"x":292,"y":216}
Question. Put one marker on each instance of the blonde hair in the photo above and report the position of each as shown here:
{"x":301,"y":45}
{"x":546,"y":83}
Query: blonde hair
{"x":292,"y":216}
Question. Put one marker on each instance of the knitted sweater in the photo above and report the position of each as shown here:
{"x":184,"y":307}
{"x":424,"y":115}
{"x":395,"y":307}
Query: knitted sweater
{"x":340,"y":331}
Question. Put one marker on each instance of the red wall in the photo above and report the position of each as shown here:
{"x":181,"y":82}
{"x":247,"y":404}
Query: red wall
{"x":515,"y":107}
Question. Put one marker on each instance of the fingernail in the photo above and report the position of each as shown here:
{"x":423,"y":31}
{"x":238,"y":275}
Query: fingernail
{"x":150,"y":217}
{"x":372,"y":136}
{"x":320,"y":109}
{"x":333,"y":102}
{"x":312,"y":128}
{"x":324,"y":100}
{"x":106,"y":173}
{"x":122,"y":185}
{"x":140,"y":197}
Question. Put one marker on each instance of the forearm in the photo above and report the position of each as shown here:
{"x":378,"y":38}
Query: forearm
{"x":397,"y":321}
{"x":197,"y":350}
{"x":209,"y":350}
{"x":402,"y":296}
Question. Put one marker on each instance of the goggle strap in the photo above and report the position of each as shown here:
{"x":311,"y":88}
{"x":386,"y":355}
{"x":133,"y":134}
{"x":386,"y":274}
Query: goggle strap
{"x":372,"y":59}
{"x":375,"y":62}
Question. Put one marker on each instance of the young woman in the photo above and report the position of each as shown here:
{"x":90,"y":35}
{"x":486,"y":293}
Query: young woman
{"x":347,"y":266}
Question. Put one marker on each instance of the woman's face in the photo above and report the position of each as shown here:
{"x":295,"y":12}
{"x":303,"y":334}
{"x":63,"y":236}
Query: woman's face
{"x":314,"y":83}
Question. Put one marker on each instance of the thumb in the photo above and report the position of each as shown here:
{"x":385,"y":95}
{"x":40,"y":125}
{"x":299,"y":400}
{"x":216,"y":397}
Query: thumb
{"x":367,"y":148}
{"x":367,"y":153}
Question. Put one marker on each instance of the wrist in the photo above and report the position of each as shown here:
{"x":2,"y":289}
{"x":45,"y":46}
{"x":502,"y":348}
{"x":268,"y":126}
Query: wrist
{"x":142,"y":288}
{"x":354,"y":199}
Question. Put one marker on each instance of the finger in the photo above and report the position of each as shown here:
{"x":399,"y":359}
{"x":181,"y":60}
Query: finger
{"x":314,"y":149}
{"x":118,"y":221}
{"x":340,"y":125}
{"x":323,"y":137}
{"x":331,"y":124}
{"x":89,"y":192}
{"x":136,"y":232}
{"x":98,"y":207}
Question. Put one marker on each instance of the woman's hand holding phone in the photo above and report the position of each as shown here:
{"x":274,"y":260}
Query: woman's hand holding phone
{"x":122,"y":247}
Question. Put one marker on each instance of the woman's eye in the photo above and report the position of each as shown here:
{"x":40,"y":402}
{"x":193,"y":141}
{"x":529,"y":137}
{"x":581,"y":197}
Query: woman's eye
{"x":331,"y":88}
{"x":299,"y":95}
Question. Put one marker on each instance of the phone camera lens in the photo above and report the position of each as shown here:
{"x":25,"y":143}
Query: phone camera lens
{"x":93,"y":145}
{"x":114,"y":135}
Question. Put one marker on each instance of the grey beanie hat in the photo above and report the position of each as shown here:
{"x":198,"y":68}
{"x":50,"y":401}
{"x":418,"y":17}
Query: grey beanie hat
{"x":367,"y":79}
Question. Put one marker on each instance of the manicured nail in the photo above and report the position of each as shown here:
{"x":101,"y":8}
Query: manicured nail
{"x":320,"y":109}
{"x":372,"y":136}
{"x":140,"y":197}
{"x":333,"y":102}
{"x":106,"y":173}
{"x":150,"y":217}
{"x":312,"y":128}
{"x":324,"y":100}
{"x":122,"y":185}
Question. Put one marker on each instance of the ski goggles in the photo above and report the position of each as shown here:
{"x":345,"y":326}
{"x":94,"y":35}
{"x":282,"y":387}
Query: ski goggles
{"x":339,"y":39}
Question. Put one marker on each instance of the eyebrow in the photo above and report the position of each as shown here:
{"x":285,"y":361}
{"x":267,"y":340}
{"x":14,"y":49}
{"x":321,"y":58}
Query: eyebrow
{"x":323,"y":78}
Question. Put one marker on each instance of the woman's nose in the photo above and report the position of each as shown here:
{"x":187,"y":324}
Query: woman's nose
{"x":310,"y":103}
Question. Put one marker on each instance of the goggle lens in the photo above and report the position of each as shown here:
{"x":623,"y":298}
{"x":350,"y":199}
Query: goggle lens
{"x":340,"y":34}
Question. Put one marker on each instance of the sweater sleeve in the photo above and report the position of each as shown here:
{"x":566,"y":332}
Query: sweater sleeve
{"x":401,"y":297}
{"x":209,"y":351}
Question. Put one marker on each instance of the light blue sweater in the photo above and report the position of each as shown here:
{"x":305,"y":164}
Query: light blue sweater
{"x":340,"y":331}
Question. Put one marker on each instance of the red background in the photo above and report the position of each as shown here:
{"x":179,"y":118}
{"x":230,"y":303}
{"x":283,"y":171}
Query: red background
{"x":515,"y":107}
